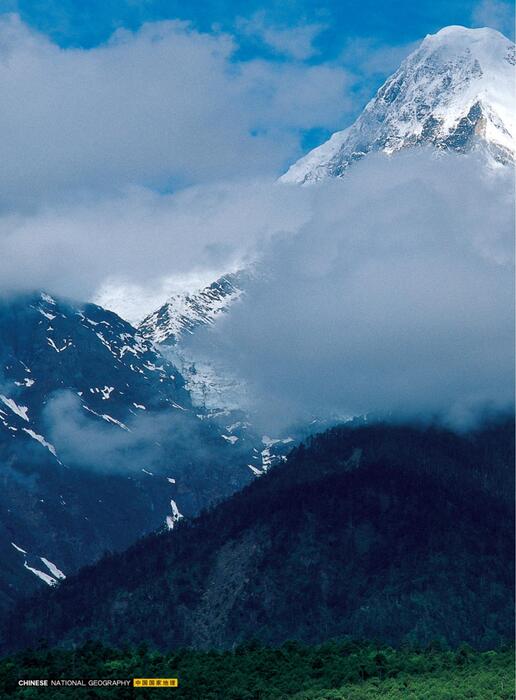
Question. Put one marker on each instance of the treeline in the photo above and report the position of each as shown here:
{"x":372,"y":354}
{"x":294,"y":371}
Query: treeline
{"x":340,"y":670}
{"x":479,"y":459}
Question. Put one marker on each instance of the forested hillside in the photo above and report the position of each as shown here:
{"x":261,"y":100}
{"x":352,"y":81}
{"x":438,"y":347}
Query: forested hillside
{"x":401,"y":534}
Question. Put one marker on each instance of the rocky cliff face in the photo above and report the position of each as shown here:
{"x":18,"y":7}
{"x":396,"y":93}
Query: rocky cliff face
{"x":456,"y":91}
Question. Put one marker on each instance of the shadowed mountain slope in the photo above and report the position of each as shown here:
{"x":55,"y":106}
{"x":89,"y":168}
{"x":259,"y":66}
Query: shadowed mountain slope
{"x":394,"y":533}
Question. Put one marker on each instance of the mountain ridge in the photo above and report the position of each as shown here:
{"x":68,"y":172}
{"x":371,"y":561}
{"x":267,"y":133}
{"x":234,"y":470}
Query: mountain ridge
{"x":454,"y":92}
{"x":99,"y":441}
{"x":183,"y":313}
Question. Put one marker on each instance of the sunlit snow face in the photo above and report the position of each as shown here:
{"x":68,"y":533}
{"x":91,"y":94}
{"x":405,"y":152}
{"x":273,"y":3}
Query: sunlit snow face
{"x":455,"y":89}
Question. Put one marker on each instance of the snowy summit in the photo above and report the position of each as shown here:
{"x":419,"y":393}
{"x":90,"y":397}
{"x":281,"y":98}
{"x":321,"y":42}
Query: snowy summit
{"x":456,"y":91}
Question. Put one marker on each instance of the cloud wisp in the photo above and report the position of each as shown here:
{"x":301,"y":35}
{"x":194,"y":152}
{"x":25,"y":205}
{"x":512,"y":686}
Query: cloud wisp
{"x":496,"y":14}
{"x":154,"y":440}
{"x":296,"y":41}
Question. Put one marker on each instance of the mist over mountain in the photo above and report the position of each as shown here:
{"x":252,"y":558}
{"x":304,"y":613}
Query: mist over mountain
{"x":393,"y":292}
{"x":396,"y":296}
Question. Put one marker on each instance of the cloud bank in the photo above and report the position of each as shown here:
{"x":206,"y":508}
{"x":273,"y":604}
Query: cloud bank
{"x":162,"y":107}
{"x":394,"y":296}
{"x":143,"y":238}
{"x":143,"y":160}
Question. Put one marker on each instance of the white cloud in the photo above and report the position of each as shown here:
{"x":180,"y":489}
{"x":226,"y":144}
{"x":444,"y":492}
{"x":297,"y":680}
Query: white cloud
{"x":370,"y":58}
{"x":496,"y":14}
{"x":395,"y":294}
{"x":93,"y":142}
{"x":161,"y":107}
{"x":142,"y":238}
{"x":294,"y":41}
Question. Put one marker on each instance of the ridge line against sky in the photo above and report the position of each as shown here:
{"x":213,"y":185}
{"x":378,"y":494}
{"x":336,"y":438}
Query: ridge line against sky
{"x":309,"y":68}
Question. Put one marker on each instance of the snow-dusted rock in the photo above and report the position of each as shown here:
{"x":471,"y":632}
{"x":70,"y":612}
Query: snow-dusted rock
{"x":456,"y":91}
{"x":183,"y":313}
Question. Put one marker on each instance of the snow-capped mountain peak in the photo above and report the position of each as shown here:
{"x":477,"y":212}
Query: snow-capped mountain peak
{"x":456,"y":90}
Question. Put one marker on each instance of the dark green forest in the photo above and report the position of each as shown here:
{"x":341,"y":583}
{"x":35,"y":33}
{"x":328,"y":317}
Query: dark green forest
{"x":399,"y":534}
{"x":333,"y":671}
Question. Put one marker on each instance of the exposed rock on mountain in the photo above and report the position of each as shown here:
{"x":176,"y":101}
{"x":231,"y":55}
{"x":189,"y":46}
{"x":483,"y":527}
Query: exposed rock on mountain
{"x":183,"y":313}
{"x":456,"y":91}
{"x":99,"y":441}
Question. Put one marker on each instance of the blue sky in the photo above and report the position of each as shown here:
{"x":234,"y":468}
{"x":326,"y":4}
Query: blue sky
{"x":86,"y":24}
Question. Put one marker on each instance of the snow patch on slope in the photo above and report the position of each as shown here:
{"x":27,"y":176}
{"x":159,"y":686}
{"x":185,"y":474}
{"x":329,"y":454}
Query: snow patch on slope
{"x":18,"y":410}
{"x":171,"y":520}
{"x":41,"y":440}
